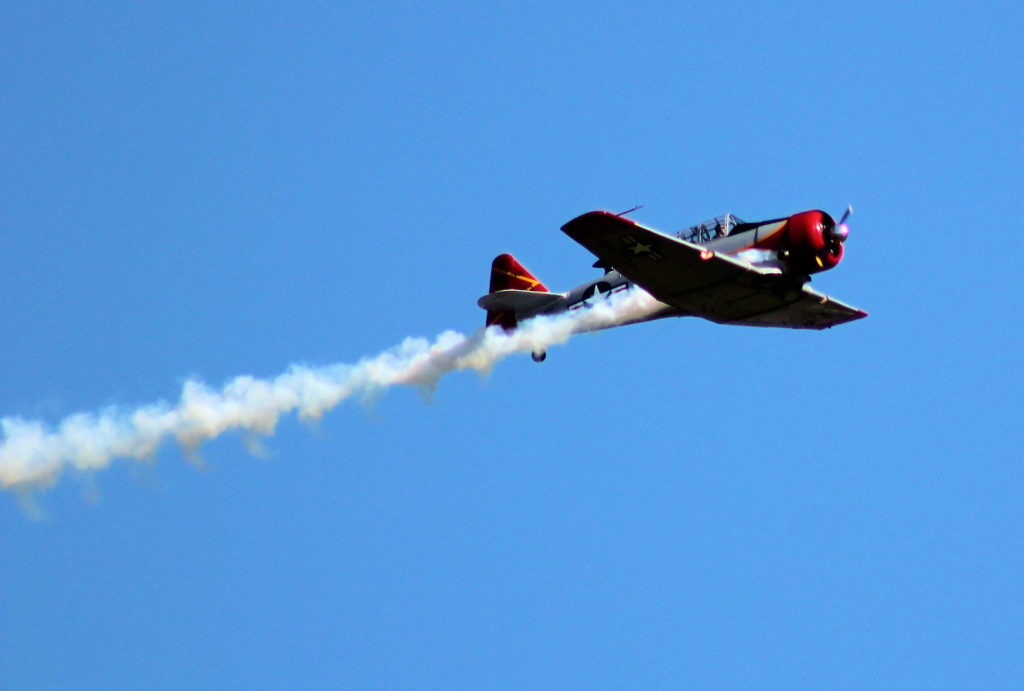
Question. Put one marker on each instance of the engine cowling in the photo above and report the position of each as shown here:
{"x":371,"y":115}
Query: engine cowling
{"x":813,"y":243}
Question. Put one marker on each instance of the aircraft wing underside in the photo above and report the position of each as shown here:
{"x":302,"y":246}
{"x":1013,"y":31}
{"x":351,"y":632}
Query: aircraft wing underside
{"x":703,"y":283}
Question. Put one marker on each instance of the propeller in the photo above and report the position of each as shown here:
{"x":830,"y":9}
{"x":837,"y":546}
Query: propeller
{"x":841,"y":231}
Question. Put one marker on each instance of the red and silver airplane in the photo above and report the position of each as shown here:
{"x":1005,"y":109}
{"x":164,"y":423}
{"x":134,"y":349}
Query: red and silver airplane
{"x":724,"y":270}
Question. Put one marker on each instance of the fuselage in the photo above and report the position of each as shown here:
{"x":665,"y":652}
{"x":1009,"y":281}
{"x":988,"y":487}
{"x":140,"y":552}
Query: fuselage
{"x":612,"y":285}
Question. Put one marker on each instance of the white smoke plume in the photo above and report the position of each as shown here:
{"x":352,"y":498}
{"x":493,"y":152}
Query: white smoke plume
{"x":33,"y":455}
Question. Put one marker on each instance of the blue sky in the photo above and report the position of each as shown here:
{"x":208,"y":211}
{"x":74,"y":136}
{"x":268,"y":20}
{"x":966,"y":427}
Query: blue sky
{"x":223,"y":189}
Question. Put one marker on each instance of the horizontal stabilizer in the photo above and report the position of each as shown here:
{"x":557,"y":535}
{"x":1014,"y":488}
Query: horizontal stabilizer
{"x":519,"y":301}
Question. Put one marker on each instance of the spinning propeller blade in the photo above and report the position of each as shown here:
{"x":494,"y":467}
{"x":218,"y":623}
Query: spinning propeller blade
{"x":841,"y":231}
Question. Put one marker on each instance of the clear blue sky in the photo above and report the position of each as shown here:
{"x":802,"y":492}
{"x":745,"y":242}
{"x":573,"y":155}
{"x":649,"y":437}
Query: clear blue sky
{"x":219,"y":189}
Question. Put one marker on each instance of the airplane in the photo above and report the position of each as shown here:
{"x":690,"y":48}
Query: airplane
{"x":725,"y":270}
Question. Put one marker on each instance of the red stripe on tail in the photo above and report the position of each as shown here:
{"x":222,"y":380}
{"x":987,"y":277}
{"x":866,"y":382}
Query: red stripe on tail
{"x":508,"y":273}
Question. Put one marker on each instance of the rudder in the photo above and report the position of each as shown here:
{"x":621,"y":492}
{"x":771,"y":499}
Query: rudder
{"x":508,"y":274}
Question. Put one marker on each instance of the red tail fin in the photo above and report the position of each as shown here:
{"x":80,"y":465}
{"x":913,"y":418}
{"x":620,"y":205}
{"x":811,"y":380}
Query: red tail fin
{"x":507,"y":273}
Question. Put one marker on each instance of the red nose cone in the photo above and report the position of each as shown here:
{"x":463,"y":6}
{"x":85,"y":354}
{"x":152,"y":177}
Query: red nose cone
{"x":813,"y":242}
{"x":806,"y":232}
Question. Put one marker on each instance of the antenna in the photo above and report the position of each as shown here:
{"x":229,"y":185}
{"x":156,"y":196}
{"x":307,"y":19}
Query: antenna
{"x":638,"y":206}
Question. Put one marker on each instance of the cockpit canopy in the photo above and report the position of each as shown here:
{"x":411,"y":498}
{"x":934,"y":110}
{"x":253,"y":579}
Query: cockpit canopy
{"x":717,"y":227}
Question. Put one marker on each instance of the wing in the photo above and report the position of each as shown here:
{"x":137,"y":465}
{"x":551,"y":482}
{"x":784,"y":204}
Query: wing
{"x":701,"y":282}
{"x":810,"y":310}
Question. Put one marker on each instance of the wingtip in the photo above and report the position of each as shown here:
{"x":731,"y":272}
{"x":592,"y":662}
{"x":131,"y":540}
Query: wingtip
{"x":599,"y":221}
{"x":583,"y":217}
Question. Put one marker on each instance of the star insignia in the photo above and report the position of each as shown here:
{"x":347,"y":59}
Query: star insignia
{"x":641,"y":249}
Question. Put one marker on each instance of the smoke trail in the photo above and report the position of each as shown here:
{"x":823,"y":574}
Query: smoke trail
{"x":32,"y":456}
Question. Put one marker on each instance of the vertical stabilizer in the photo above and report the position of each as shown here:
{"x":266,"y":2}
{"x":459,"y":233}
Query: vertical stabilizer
{"x":509,"y":274}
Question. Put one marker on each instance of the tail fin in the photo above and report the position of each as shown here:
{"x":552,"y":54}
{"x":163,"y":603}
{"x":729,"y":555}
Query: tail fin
{"x":509,"y":274}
